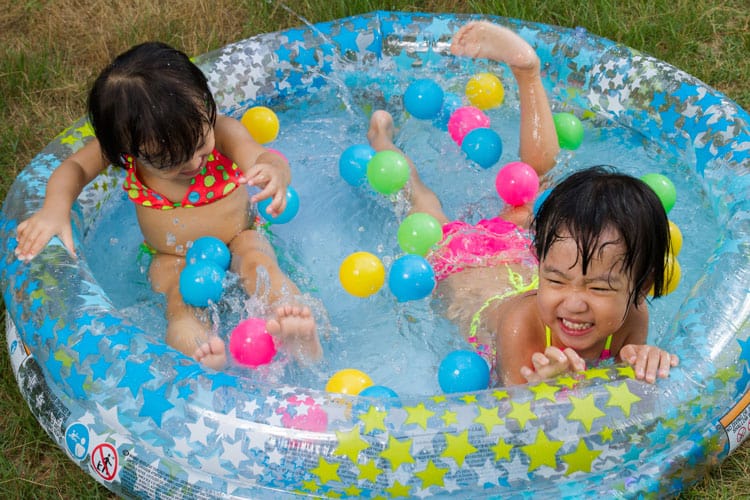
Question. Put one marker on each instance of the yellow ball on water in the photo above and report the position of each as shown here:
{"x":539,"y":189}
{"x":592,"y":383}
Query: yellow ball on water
{"x":262,"y":123}
{"x":675,"y":238}
{"x":348,"y":381}
{"x":362,"y":274}
{"x":485,"y":91}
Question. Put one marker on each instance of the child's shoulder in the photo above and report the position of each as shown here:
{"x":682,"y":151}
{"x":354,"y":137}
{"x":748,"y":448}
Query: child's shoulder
{"x":521,"y":314}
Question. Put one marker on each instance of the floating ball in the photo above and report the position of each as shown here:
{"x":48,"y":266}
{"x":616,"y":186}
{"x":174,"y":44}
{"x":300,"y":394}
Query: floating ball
{"x":201,"y":283}
{"x":540,"y":199}
{"x":672,"y":275}
{"x":517,"y":183}
{"x":348,"y":381}
{"x":569,"y":130}
{"x":379,"y":392}
{"x":464,"y":120}
{"x":209,"y":248}
{"x":663,"y":188}
{"x":418,"y":232}
{"x":250,"y":343}
{"x":485,"y":91}
{"x":387,"y":171}
{"x":291,"y":209}
{"x":423,"y":99}
{"x":675,"y":239}
{"x":362,"y":274}
{"x":278,"y":153}
{"x":483,"y":146}
{"x":463,"y":371}
{"x":411,"y":278}
{"x":262,"y":123}
{"x":451,"y":102}
{"x":353,"y":163}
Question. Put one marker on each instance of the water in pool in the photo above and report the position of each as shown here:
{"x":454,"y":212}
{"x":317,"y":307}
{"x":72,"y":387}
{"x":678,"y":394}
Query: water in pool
{"x":399,"y":345}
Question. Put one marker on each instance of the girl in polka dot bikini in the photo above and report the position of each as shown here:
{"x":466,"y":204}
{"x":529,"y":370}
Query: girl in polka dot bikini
{"x":153,"y":114}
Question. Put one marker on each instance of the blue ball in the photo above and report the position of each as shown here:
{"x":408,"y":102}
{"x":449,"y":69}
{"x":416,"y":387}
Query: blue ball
{"x":379,"y":392}
{"x":423,"y":99}
{"x":209,"y":248}
{"x":411,"y":278}
{"x":540,"y":199}
{"x":201,"y":283}
{"x":463,"y":371}
{"x":451,"y":102}
{"x":483,"y":146}
{"x":353,"y":163}
{"x":292,"y":207}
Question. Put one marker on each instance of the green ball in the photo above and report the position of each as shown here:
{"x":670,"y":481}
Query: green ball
{"x":387,"y":171}
{"x":569,"y":130}
{"x":663,"y":188}
{"x":418,"y":233}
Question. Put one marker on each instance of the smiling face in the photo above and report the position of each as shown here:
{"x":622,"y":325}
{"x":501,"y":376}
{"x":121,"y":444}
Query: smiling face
{"x":583,"y":309}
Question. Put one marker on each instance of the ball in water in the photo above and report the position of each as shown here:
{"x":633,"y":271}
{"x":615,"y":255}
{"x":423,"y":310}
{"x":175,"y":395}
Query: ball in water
{"x":387,"y":171}
{"x":569,"y":130}
{"x":464,"y":120}
{"x":202,"y":283}
{"x":517,"y":183}
{"x":250,"y":343}
{"x":423,"y":99}
{"x":463,"y":371}
{"x":291,"y":209}
{"x":451,"y":102}
{"x":664,"y":189}
{"x":262,"y":123}
{"x":362,"y":274}
{"x":485,"y":91}
{"x":483,"y":146}
{"x":418,"y":232}
{"x":348,"y":381}
{"x":411,"y":278}
{"x":675,"y":238}
{"x":353,"y":163}
{"x":209,"y":248}
{"x":379,"y":392}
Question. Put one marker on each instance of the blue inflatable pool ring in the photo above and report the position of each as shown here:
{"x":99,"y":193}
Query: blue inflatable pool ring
{"x":146,"y":421}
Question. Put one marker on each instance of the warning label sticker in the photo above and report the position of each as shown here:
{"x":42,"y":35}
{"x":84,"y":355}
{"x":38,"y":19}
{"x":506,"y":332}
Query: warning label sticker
{"x":104,"y":461}
{"x":736,"y":422}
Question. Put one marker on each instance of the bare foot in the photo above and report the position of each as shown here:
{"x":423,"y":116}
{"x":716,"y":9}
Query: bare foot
{"x":212,"y":353}
{"x":490,"y":41}
{"x":380,"y":134}
{"x":294,"y":326}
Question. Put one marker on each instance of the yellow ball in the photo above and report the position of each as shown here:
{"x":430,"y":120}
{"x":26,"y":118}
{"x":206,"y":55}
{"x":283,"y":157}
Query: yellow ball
{"x":262,"y":123}
{"x":672,"y":275}
{"x":362,"y":274}
{"x":675,"y":238}
{"x":485,"y":91}
{"x":348,"y":381}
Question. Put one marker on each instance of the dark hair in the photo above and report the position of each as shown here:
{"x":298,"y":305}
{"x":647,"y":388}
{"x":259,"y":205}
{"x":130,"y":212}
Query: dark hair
{"x":151,"y":102}
{"x":590,"y":201}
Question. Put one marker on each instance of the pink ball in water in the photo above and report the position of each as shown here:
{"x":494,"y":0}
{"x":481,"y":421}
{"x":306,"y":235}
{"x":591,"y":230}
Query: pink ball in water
{"x":250,"y":344}
{"x":464,"y":120}
{"x":517,"y":183}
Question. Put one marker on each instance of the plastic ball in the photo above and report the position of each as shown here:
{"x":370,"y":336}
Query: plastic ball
{"x":464,"y":120}
{"x":483,"y":146}
{"x":262,"y":123}
{"x":209,"y":248}
{"x":250,"y":344}
{"x":353,"y":163}
{"x":291,"y":209}
{"x":411,"y":278}
{"x":485,"y":91}
{"x":362,"y":274}
{"x":202,"y":283}
{"x":672,"y":275}
{"x":517,"y":183}
{"x":348,"y":381}
{"x":463,"y":371}
{"x":569,"y":130}
{"x":451,"y":102}
{"x":418,"y":232}
{"x":379,"y":392}
{"x":387,"y":171}
{"x":675,"y":239}
{"x":663,"y":188}
{"x":540,"y":199}
{"x":278,"y":153}
{"x":423,"y":99}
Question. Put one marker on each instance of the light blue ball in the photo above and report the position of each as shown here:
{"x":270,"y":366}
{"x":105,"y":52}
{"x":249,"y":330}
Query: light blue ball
{"x":423,"y":99}
{"x":202,"y":283}
{"x":292,"y":207}
{"x":463,"y":371}
{"x":451,"y":102}
{"x":353,"y":163}
{"x":209,"y":248}
{"x":540,"y":199}
{"x":483,"y":146}
{"x":379,"y":392}
{"x":411,"y":278}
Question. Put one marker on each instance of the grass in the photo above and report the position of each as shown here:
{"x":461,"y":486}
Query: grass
{"x":50,"y":51}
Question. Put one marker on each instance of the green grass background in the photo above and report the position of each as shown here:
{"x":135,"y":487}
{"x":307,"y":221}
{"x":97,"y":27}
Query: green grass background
{"x":50,"y":52}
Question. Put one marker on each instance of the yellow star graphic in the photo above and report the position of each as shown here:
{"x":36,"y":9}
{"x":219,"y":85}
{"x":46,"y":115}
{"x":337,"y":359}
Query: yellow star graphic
{"x":350,"y":444}
{"x":542,"y":452}
{"x":726,"y":374}
{"x":418,"y":415}
{"x":500,"y":394}
{"x":369,"y":471}
{"x":457,"y":447}
{"x":431,"y":475}
{"x":567,"y":381}
{"x":522,"y":413}
{"x":373,"y":419}
{"x":621,"y":396}
{"x":626,"y":371}
{"x":502,"y":450}
{"x":311,"y":486}
{"x":592,"y":373}
{"x":469,"y":398}
{"x":581,"y":459}
{"x":353,"y":492}
{"x":69,"y":139}
{"x":64,"y":358}
{"x":544,"y":391}
{"x":440,"y":398}
{"x":86,"y":130}
{"x":449,"y":417}
{"x":397,"y":452}
{"x":326,"y":471}
{"x":584,"y":410}
{"x":489,"y":418}
{"x":398,"y":490}
{"x":606,"y":434}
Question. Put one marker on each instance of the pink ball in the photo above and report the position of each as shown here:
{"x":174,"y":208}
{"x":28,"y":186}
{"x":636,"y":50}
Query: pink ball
{"x":517,"y":183}
{"x":278,"y":153}
{"x":250,"y":344}
{"x":464,"y":120}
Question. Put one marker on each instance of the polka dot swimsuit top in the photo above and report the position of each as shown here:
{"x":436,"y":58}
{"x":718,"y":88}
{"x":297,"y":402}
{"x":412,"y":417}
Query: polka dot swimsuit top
{"x":216,"y":180}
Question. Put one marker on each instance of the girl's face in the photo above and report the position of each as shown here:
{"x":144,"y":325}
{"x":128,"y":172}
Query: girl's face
{"x":582,"y":310}
{"x":190,"y":168}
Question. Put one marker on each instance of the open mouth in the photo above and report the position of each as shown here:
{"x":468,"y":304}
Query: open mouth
{"x":575,"y":328}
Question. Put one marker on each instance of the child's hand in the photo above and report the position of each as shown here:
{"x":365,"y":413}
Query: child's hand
{"x":271,"y":174}
{"x":551,"y":363}
{"x":648,"y":361}
{"x":34,"y":233}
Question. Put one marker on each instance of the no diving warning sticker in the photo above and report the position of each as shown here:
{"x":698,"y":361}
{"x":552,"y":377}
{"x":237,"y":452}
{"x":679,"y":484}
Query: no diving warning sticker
{"x":104,"y":461}
{"x":736,"y":422}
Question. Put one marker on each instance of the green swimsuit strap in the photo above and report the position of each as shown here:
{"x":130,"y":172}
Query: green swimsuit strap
{"x":517,"y":288}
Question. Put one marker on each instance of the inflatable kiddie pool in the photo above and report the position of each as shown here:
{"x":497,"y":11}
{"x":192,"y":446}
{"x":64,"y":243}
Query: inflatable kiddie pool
{"x":146,"y":421}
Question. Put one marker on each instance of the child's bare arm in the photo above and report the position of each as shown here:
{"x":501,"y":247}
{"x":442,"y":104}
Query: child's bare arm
{"x":648,"y":361}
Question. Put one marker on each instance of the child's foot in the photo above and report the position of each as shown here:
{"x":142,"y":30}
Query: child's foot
{"x":490,"y":41}
{"x":294,"y":326}
{"x":212,"y":353}
{"x":380,"y":134}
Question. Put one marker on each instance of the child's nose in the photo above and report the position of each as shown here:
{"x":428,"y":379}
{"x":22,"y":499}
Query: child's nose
{"x":575,"y":302}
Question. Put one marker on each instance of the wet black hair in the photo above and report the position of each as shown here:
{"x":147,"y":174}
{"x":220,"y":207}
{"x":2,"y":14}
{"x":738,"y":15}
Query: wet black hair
{"x":153,"y":103}
{"x":589,"y":201}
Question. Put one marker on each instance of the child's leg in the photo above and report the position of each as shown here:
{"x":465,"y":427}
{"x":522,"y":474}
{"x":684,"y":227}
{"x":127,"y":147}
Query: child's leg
{"x":185,"y":331}
{"x":482,"y":39}
{"x":293,"y":324}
